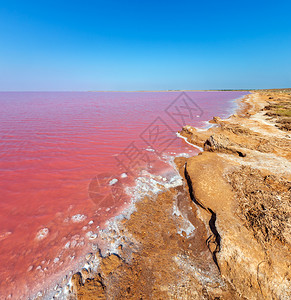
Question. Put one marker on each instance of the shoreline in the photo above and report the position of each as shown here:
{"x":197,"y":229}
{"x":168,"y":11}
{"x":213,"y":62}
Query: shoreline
{"x":128,"y":252}
{"x":37,"y":276}
{"x":243,"y":179}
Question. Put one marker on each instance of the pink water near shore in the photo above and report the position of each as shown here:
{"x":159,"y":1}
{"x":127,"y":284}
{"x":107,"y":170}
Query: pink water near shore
{"x":59,"y":153}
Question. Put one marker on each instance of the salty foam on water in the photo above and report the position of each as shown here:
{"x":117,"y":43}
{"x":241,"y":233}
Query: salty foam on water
{"x":185,"y":139}
{"x":146,"y":184}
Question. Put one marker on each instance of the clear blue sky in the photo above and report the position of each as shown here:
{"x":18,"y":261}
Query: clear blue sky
{"x":144,"y":45}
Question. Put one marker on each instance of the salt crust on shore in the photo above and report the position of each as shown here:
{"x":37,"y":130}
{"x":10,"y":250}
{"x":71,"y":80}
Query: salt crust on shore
{"x":146,"y":184}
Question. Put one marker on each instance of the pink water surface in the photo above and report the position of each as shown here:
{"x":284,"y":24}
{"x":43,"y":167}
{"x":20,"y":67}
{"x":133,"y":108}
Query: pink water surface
{"x":59,"y":151}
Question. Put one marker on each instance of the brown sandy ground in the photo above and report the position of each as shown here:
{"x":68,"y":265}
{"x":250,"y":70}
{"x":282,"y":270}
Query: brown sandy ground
{"x":156,"y":259}
{"x":237,"y":195}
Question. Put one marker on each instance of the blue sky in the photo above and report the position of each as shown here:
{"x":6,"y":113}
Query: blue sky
{"x":144,"y":45}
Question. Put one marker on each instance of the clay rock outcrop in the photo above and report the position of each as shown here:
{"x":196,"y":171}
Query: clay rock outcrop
{"x":254,"y":270}
{"x":221,"y":143}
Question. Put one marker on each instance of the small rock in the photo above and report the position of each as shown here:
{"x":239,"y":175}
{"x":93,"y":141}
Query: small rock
{"x":85,"y":274}
{"x":88,"y":256}
{"x":57,"y":294}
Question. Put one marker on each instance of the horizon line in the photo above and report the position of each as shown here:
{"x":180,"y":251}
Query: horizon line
{"x":144,"y":91}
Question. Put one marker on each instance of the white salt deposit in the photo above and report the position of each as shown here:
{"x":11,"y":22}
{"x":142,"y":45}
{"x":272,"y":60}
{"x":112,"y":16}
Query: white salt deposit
{"x":78,"y":218}
{"x":150,"y":150}
{"x":56,"y":260}
{"x":188,"y":228}
{"x":29,"y":268}
{"x":42,"y":234}
{"x":113,"y":181}
{"x":91,"y":235}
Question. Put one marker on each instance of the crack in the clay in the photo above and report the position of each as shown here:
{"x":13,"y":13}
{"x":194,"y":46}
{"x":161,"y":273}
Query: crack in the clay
{"x":215,"y":237}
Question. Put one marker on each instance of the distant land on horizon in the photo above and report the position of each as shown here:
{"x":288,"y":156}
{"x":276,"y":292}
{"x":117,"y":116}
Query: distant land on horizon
{"x":149,"y":91}
{"x":207,"y":90}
